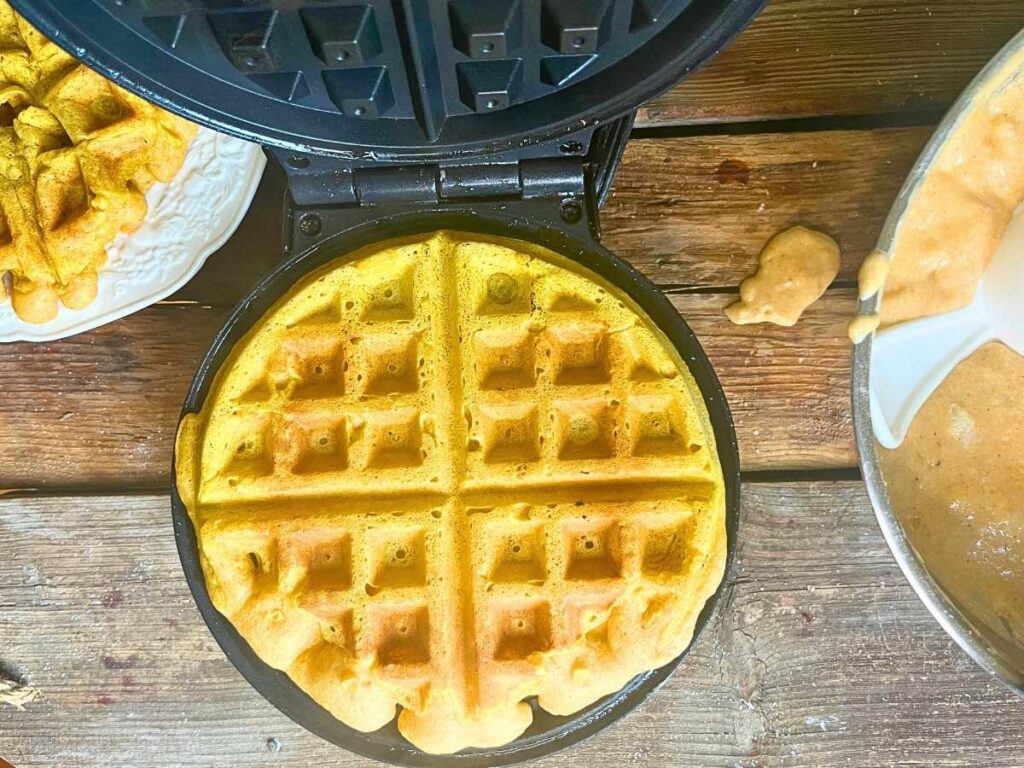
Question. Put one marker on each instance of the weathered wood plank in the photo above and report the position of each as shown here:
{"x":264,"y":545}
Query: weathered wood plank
{"x":788,"y":388}
{"x":820,"y":655}
{"x":99,"y":410}
{"x":697,"y":211}
{"x":807,"y":58}
{"x":687,"y":211}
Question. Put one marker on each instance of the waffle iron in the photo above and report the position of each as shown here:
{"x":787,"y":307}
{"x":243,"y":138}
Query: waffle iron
{"x":395,"y":117}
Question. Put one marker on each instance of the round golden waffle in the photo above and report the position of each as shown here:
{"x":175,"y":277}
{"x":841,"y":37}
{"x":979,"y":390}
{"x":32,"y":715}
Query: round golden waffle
{"x":451,"y":473}
{"x":77,"y":155}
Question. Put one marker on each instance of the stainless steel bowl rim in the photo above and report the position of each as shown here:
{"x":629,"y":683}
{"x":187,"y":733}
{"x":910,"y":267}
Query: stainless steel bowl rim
{"x":942,"y":607}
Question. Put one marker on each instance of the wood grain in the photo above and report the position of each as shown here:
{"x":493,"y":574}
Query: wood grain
{"x":697,"y":211}
{"x":99,"y":410}
{"x":807,"y":58}
{"x":690,"y":212}
{"x":819,"y":655}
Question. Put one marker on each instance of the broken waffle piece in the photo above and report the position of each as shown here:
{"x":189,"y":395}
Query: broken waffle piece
{"x":796,"y":266}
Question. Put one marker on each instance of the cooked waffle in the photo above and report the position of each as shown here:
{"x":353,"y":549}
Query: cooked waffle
{"x":77,"y":155}
{"x":450,"y":474}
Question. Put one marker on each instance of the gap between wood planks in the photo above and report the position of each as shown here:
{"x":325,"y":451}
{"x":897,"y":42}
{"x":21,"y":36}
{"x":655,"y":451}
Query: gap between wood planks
{"x":925,"y":118}
{"x":748,"y":478}
{"x":818,"y":654}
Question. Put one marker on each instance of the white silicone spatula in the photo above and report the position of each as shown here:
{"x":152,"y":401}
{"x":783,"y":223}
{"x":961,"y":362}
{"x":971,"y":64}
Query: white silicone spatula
{"x":909,"y":361}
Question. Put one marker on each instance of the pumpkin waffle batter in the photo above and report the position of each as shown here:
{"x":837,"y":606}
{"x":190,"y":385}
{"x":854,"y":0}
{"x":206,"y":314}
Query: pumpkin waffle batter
{"x":956,"y":480}
{"x":77,"y":155}
{"x":451,"y":473}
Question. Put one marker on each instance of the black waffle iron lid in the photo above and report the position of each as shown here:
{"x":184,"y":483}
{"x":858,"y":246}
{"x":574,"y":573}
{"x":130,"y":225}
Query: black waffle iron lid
{"x":389,"y":79}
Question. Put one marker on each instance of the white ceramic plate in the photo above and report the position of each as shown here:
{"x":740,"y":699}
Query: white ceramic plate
{"x":188,"y":220}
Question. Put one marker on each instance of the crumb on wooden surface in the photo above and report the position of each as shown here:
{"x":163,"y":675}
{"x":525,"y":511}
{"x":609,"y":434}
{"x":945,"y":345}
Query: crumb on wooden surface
{"x":17,"y":694}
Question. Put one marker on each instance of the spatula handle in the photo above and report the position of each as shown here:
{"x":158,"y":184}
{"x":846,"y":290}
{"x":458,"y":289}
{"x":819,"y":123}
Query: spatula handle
{"x":910,"y":360}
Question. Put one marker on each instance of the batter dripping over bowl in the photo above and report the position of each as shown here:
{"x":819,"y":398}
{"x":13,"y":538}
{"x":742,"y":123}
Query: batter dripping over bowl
{"x":950,"y":497}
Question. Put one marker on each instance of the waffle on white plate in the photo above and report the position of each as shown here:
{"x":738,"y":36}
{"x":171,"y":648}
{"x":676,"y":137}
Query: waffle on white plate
{"x":77,"y":154}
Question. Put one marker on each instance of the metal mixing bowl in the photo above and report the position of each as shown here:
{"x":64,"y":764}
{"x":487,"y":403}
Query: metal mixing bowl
{"x":990,"y":649}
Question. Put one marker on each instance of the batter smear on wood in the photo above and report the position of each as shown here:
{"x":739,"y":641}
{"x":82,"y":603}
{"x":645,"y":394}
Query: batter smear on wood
{"x":796,"y":266}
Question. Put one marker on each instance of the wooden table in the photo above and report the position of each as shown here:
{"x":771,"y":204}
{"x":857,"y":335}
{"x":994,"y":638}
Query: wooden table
{"x":820,"y":654}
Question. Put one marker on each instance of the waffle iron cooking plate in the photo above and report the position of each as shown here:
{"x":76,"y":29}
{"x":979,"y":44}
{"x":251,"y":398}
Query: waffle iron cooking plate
{"x":395,"y":117}
{"x":383,"y":78}
{"x":548,"y":733}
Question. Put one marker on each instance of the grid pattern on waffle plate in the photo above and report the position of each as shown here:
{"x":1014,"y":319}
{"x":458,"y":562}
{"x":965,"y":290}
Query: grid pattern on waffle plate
{"x":583,"y":469}
{"x":422,"y":64}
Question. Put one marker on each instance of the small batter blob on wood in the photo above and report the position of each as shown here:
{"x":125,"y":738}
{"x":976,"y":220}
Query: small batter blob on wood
{"x":796,"y":266}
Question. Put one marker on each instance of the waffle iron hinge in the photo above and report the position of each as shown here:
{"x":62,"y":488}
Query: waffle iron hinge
{"x":553,"y":191}
{"x":560,"y":185}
